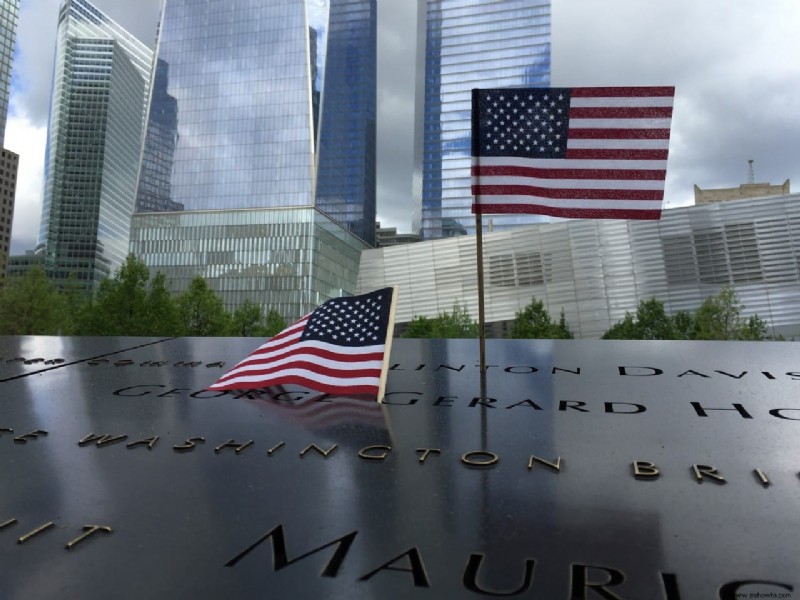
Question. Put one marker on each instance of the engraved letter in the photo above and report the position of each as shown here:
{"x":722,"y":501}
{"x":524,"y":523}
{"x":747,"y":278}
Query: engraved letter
{"x":102,"y":440}
{"x":384,"y":452}
{"x":645,"y":470}
{"x":189,"y":445}
{"x":135,"y":387}
{"x":417,"y":568}
{"x":239,"y":448}
{"x":638,"y":408}
{"x":573,"y":404}
{"x":470,"y":580}
{"x":776,"y":412}
{"x":87,"y":531}
{"x":425,"y":452}
{"x":728,"y":591}
{"x":527,"y":402}
{"x":487,"y":459}
{"x":324,"y":453}
{"x":701,"y":470}
{"x":634,"y":371}
{"x":410,"y":400}
{"x":762,"y":479}
{"x":23,"y":439}
{"x":701,"y":412}
{"x":35,"y":532}
{"x":556,"y":466}
{"x":281,"y":560}
{"x":487,"y":402}
{"x":579,"y":584}
{"x":149,"y":442}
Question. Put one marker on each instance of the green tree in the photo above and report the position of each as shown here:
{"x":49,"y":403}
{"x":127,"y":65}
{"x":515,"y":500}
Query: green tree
{"x":275,"y":323}
{"x":651,"y":322}
{"x":683,"y":322}
{"x":31,"y":305}
{"x":201,"y":311}
{"x":720,"y":318}
{"x":117,"y":307}
{"x":130,"y":304}
{"x":626,"y":329}
{"x":455,"y":324}
{"x":534,"y":322}
{"x":247,"y":320}
{"x":419,"y":327}
{"x":161,"y":309}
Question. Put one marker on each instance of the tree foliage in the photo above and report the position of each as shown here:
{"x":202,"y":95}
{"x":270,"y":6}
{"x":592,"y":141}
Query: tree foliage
{"x":534,"y":322}
{"x":454,"y":324}
{"x":31,"y":305}
{"x":201,"y":311}
{"x":651,"y":322}
{"x":718,"y":318}
{"x":129,"y":303}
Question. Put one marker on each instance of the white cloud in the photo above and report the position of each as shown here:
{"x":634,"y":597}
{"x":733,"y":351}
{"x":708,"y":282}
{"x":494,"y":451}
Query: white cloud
{"x":28,"y":140}
{"x":734,"y":66}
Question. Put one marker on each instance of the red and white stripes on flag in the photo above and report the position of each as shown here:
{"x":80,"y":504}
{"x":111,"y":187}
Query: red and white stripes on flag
{"x":338,"y":348}
{"x":571,"y":152}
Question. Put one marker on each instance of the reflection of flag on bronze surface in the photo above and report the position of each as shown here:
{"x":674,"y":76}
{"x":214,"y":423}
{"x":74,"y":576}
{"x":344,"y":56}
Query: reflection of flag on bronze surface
{"x":596,"y":153}
{"x":321,"y":411}
{"x":338,"y":348}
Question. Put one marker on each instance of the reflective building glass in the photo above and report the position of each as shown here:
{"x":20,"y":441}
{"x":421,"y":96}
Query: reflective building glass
{"x":286,"y":259}
{"x":264,"y":104}
{"x":9,"y":13}
{"x":100,"y":85}
{"x":261,"y":111}
{"x":9,"y":161}
{"x":470,"y":44}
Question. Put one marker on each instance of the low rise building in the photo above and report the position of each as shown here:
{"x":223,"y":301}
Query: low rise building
{"x":597,"y":270}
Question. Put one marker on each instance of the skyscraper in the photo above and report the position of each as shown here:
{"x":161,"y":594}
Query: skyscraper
{"x":9,"y":161}
{"x":100,"y":85}
{"x":260,"y":149}
{"x":469,"y":44}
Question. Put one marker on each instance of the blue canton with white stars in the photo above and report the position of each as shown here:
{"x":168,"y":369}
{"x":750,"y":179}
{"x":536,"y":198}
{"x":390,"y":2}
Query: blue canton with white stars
{"x":529,"y":122}
{"x":356,"y":321}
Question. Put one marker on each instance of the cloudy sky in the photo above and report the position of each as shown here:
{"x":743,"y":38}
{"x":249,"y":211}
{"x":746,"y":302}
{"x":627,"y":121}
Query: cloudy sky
{"x":734,"y":67}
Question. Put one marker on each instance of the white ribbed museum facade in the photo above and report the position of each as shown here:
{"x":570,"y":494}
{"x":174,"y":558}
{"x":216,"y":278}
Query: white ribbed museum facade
{"x":596,"y":271}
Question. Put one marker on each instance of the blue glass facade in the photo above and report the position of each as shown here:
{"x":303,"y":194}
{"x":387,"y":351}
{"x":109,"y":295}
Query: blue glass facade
{"x":258,"y":168}
{"x":470,"y":44}
{"x":346,"y":177}
{"x":247,"y":113}
{"x":100,"y":85}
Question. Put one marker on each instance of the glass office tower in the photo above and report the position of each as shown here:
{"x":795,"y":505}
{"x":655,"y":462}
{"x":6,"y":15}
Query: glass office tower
{"x":470,"y":44}
{"x":9,"y":161}
{"x":9,"y":13}
{"x":259,"y":106}
{"x":100,"y":86}
{"x":264,"y":104}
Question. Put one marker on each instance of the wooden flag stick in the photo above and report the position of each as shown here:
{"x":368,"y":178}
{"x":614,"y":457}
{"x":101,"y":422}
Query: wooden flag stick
{"x":387,"y":347}
{"x":479,"y":243}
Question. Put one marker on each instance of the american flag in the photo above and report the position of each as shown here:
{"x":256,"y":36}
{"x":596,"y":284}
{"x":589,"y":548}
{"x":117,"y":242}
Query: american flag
{"x":598,"y":153}
{"x":338,"y":348}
